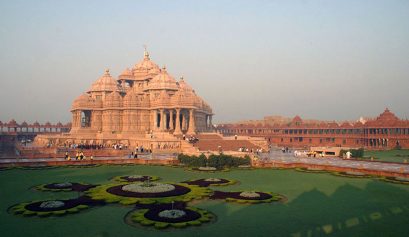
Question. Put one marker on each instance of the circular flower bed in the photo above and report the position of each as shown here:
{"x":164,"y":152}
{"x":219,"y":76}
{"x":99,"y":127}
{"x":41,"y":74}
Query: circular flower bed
{"x":247,"y":194}
{"x":166,"y":215}
{"x":248,"y":197}
{"x":352,"y":174}
{"x":172,"y":214}
{"x":210,"y":182}
{"x":53,"y":207}
{"x":135,"y":178}
{"x":207,"y":168}
{"x":310,"y":170}
{"x":65,"y":186}
{"x":83,"y":165}
{"x":148,"y":188}
{"x":396,"y":180}
{"x":136,"y":193}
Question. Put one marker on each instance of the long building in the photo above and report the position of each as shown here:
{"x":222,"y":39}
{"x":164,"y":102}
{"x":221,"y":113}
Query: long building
{"x":384,"y":132}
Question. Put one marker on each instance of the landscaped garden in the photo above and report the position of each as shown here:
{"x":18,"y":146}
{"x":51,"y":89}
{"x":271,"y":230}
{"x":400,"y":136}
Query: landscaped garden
{"x":166,"y":201}
{"x":389,"y":155}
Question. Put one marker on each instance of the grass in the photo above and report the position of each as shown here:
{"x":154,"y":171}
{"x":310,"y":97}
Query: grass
{"x":318,"y":205}
{"x":389,"y":156}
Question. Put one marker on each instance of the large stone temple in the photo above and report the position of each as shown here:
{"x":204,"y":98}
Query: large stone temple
{"x":144,"y":105}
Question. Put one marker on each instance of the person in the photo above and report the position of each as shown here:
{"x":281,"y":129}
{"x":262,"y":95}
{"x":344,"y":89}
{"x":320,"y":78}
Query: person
{"x":81,"y":155}
{"x":91,"y":157}
{"x":66,"y":155}
{"x":235,"y":137}
{"x":77,"y":155}
{"x":135,"y":156}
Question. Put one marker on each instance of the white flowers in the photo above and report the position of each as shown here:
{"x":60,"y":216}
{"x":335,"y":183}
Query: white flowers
{"x":63,"y":185}
{"x":209,"y":168}
{"x":212,"y":180}
{"x":152,"y":188}
{"x":248,"y":194}
{"x":51,"y":204}
{"x":172,"y":214}
{"x":135,"y":177}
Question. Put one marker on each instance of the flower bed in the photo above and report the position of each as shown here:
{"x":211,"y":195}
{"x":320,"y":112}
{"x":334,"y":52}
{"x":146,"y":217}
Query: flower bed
{"x":116,"y":193}
{"x":396,"y":180}
{"x":54,"y":207}
{"x":311,"y":170}
{"x":207,"y":169}
{"x":66,"y":186}
{"x":247,"y":197}
{"x":162,"y":216}
{"x":210,"y":182}
{"x":79,"y":165}
{"x":352,"y":174}
{"x":135,"y":178}
{"x":44,"y":167}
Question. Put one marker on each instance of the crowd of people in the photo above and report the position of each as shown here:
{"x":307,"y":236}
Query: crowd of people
{"x":79,"y":155}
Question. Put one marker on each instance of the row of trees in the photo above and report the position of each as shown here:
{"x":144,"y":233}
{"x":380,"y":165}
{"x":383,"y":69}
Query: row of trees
{"x":217,"y":161}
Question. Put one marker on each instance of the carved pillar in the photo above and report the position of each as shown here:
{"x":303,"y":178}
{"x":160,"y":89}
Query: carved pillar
{"x":210,"y":122}
{"x":171,"y":120}
{"x":192,"y":122}
{"x":178,"y":131}
{"x":183,"y":127}
{"x":162,"y":120}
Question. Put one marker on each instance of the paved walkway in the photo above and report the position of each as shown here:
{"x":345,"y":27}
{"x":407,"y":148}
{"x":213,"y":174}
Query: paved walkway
{"x":40,"y":160}
{"x":337,"y":162}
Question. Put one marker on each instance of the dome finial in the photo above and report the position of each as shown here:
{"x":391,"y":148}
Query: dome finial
{"x":107,"y":71}
{"x":164,"y":68}
{"x":145,"y":52}
{"x":181,"y":78}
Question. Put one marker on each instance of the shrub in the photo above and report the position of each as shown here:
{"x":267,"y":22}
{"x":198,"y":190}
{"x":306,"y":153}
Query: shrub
{"x":217,"y":161}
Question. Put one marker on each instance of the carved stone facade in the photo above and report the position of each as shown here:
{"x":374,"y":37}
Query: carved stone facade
{"x":143,"y":103}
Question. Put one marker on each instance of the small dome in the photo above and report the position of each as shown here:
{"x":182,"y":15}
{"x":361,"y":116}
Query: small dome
{"x":126,"y":75}
{"x":83,"y":101}
{"x":59,"y":124}
{"x":36,"y":124}
{"x":106,"y":83}
{"x":184,"y":86}
{"x":12,"y":123}
{"x":163,"y":81}
{"x":24,"y":124}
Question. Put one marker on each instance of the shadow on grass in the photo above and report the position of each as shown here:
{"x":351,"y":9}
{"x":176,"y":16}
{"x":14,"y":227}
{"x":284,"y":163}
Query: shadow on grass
{"x":377,"y":210}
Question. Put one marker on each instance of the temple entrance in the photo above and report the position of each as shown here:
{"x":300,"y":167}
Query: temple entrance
{"x":86,"y":118}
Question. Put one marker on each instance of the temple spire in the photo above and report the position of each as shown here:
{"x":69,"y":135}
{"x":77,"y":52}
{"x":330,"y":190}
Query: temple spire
{"x":145,"y":53}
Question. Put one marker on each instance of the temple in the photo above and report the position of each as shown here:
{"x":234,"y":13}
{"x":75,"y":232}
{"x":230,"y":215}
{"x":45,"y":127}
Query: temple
{"x":143,"y":104}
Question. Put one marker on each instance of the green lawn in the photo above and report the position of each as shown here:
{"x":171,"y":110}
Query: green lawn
{"x":389,"y":156}
{"x":318,"y":205}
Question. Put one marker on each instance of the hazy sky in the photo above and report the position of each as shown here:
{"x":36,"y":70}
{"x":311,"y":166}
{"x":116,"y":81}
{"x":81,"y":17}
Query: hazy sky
{"x":319,"y":59}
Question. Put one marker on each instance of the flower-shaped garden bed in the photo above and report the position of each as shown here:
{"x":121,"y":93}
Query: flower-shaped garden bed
{"x":210,"y":182}
{"x":247,"y":197}
{"x":352,"y":174}
{"x":147,"y":193}
{"x":66,"y":186}
{"x":168,"y":215}
{"x":396,"y":180}
{"x":135,"y":178}
{"x":54,"y":207}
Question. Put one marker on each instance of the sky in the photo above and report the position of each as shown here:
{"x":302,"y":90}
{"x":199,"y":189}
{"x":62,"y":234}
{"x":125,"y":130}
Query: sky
{"x":331,"y":60}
